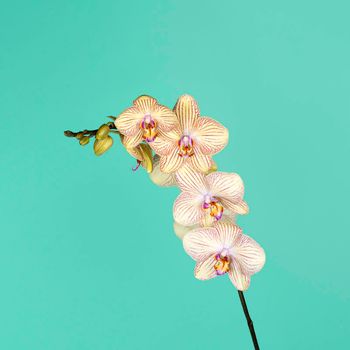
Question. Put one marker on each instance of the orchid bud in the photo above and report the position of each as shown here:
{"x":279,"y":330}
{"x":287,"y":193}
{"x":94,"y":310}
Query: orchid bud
{"x":84,"y":140}
{"x":80,"y":135}
{"x":102,"y":132}
{"x":101,"y":146}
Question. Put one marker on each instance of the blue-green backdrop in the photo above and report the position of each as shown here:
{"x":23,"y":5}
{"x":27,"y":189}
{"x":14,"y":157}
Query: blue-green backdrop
{"x":88,"y":257}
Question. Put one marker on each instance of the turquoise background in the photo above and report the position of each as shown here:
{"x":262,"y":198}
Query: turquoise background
{"x":88,"y":257}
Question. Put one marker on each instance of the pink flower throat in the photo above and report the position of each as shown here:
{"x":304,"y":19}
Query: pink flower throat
{"x":149,"y":126}
{"x":186,"y":145}
{"x":215,"y":207}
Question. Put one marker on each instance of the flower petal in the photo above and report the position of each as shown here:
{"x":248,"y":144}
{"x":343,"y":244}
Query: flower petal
{"x":188,"y":209}
{"x":163,"y":146}
{"x":128,"y":122}
{"x":237,"y":277}
{"x":230,"y":189}
{"x":166,"y":118}
{"x":211,"y":136}
{"x":204,"y":269}
{"x":249,"y":254}
{"x":200,"y":243}
{"x":187,"y":111}
{"x":160,"y":178}
{"x":145,"y":104}
{"x":133,"y":141}
{"x":226,"y":185}
{"x":172,"y":162}
{"x":199,"y":161}
{"x":191,"y":181}
{"x":238,"y":207}
{"x":227,"y":233}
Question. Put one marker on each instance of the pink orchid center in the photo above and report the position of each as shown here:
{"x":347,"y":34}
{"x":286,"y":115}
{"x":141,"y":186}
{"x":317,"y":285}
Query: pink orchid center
{"x":149,"y":127}
{"x":214,"y":206}
{"x":222,"y":264}
{"x":186,"y":145}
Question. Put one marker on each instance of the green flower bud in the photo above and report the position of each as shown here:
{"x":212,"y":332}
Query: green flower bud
{"x":84,"y":140}
{"x":101,"y":146}
{"x":80,"y":135}
{"x":102,"y":132}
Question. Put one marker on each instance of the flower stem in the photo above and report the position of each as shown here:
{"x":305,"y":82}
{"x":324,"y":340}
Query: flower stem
{"x":249,"y":320}
{"x":89,"y":133}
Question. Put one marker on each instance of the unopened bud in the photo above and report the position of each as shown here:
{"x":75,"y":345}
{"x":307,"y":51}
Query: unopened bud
{"x":79,"y":135}
{"x":102,"y":132}
{"x":84,"y":140}
{"x":101,"y":146}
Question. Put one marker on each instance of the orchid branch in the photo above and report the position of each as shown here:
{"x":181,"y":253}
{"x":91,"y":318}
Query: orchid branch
{"x":89,"y":133}
{"x":103,"y":141}
{"x":175,"y":146}
{"x":249,"y":320}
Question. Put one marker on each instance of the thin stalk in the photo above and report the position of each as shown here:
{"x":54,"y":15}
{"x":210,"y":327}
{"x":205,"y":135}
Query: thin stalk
{"x":249,"y":320}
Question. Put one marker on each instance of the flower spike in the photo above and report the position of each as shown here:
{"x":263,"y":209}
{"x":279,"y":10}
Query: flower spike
{"x":176,"y":147}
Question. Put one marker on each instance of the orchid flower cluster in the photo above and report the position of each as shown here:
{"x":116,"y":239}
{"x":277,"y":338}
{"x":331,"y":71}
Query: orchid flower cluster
{"x":176,"y":148}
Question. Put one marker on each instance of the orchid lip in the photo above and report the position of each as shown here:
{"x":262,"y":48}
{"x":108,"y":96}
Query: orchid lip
{"x":186,"y":146}
{"x":149,"y":126}
{"x":215,"y":207}
{"x":222,"y":264}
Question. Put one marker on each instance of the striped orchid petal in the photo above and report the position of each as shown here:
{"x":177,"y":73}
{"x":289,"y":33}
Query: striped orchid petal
{"x":226,"y":184}
{"x":188,"y":209}
{"x":228,"y":233}
{"x":165,"y":143}
{"x":238,"y":278}
{"x":145,"y":103}
{"x":166,"y":118}
{"x":171,"y":162}
{"x":201,"y":243}
{"x":249,"y":254}
{"x":187,"y":111}
{"x":204,"y":269}
{"x":128,"y":122}
{"x":200,"y":161}
{"x":212,"y":137}
{"x":238,"y":206}
{"x":191,"y":181}
{"x":134,"y":140}
{"x":229,"y":188}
